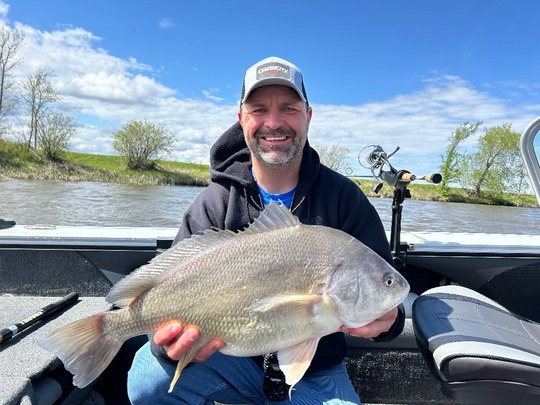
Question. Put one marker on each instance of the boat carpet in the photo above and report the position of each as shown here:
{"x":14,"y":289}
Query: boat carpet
{"x":24,"y":363}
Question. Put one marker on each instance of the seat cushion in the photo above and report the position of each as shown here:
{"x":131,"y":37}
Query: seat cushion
{"x":475,"y":346}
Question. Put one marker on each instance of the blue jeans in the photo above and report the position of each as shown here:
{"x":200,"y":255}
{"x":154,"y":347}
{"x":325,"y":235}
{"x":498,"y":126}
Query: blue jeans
{"x":229,"y":380}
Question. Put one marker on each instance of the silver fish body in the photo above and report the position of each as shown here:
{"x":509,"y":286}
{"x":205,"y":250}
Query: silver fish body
{"x":278,"y":286}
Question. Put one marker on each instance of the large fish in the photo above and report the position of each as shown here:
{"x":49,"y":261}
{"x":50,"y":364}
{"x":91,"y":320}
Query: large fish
{"x":277,"y":286}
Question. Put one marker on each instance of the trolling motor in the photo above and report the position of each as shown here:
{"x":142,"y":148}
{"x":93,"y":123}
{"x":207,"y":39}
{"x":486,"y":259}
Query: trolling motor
{"x":378,"y":160}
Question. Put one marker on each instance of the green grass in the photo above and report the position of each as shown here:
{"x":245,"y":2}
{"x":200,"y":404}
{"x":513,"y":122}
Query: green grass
{"x":431,"y":192}
{"x":18,"y":162}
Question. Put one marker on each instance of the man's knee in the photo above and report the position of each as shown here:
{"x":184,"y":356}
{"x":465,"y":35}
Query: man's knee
{"x":147,"y":378}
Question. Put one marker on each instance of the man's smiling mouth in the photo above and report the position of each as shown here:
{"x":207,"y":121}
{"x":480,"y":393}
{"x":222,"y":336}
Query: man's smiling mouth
{"x":271,"y":138}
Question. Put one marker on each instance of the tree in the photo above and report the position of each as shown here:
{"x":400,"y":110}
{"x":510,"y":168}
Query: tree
{"x":10,"y":41}
{"x":142,"y":142}
{"x":55,"y":131}
{"x":333,"y":157}
{"x":37,"y":93}
{"x":452,"y":159}
{"x":492,"y":167}
{"x":518,"y":182}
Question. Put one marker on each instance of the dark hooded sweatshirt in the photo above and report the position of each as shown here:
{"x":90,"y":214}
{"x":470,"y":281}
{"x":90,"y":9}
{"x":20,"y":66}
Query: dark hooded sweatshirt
{"x":322,"y":197}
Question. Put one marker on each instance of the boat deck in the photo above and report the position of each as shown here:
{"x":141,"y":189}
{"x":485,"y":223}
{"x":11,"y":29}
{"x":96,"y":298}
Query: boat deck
{"x":25,"y":364}
{"x":38,"y":266}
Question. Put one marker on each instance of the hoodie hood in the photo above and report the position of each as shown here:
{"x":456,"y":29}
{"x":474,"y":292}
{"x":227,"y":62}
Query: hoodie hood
{"x":230,"y":158}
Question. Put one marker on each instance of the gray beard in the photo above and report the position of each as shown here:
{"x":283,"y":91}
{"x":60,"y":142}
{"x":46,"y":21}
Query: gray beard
{"x":286,"y":158}
{"x":280,"y":163}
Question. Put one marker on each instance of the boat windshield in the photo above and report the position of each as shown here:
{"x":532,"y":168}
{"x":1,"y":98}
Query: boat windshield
{"x":530,"y":150}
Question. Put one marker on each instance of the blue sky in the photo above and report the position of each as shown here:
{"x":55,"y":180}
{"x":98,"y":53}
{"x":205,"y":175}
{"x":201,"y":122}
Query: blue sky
{"x":392,"y":73}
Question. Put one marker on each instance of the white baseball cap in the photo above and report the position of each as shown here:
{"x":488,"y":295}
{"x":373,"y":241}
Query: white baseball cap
{"x":273,"y":70}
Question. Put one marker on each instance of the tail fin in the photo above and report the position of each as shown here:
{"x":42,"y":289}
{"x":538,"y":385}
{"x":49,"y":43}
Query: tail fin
{"x":83,"y":348}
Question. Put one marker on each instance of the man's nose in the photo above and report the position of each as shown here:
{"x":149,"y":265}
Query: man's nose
{"x":274,"y":120}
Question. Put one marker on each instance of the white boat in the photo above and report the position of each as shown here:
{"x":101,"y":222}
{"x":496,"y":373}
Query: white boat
{"x":471,"y":334}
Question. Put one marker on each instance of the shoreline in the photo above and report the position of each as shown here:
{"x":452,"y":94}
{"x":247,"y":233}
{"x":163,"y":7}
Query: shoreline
{"x":16,"y":162}
{"x":421,"y":192}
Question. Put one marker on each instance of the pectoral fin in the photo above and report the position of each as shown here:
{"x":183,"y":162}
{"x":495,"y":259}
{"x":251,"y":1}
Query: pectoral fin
{"x":298,"y":305}
{"x":294,"y":361}
{"x":182,"y":363}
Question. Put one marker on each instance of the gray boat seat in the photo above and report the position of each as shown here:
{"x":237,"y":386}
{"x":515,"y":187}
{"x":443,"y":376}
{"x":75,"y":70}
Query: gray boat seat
{"x":479,"y":352}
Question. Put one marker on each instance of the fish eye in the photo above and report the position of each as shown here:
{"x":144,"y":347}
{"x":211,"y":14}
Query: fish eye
{"x":388,"y":280}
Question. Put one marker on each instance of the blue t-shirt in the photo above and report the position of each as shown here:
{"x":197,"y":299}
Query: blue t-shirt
{"x":285,"y":198}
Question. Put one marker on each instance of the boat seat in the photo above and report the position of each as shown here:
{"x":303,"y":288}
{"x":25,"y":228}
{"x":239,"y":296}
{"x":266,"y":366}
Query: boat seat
{"x":478,"y":351}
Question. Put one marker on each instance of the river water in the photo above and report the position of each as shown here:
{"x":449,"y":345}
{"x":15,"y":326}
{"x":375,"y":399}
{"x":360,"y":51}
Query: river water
{"x":33,"y":202}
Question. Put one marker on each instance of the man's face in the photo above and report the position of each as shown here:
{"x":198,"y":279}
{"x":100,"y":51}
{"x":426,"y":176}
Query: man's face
{"x":275,"y":122}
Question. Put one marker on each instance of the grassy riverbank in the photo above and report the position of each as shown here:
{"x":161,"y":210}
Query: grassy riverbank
{"x":17,"y":162}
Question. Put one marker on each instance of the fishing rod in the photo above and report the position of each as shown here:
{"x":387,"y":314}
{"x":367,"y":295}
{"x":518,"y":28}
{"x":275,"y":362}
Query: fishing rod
{"x":46,"y":311}
{"x":382,"y":170}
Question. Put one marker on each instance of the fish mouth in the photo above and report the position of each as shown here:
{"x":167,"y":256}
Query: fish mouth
{"x":399,"y":299}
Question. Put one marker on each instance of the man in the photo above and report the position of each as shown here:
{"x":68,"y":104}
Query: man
{"x":265,"y":156}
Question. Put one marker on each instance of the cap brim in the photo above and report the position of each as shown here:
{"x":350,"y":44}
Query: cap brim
{"x":276,"y":81}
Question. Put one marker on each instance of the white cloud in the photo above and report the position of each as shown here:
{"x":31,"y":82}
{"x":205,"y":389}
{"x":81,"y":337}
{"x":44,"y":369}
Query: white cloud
{"x":165,"y":23}
{"x":104,"y":91}
{"x":113,"y":87}
{"x":419,"y":123}
{"x":4,"y":10}
{"x":210,"y":95}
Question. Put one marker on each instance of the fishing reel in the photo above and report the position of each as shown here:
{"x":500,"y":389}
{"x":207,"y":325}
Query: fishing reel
{"x":377,"y":160}
{"x":382,"y":170}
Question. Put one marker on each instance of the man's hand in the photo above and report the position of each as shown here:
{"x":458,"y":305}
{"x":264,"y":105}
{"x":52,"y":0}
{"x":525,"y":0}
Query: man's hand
{"x":374,"y":328}
{"x":176,"y":340}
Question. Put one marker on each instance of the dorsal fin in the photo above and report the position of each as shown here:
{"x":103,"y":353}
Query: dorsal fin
{"x":274,"y":217}
{"x":147,"y":276}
